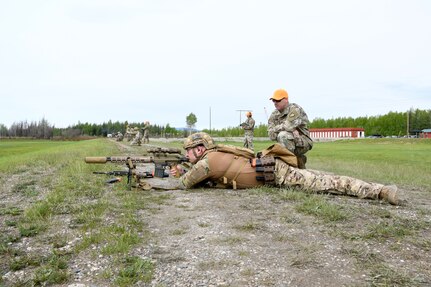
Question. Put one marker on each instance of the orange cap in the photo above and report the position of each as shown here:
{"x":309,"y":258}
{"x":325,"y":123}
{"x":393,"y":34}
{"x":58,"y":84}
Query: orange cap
{"x":279,"y":95}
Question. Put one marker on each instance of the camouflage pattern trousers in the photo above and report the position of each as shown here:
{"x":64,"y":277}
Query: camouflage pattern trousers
{"x":248,"y":140}
{"x":137,"y":139}
{"x":146,"y":136}
{"x":317,"y":181}
{"x":296,"y":144}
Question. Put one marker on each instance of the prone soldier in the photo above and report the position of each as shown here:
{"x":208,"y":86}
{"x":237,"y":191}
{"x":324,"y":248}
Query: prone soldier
{"x":276,"y":167}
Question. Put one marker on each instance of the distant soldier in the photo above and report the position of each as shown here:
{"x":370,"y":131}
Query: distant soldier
{"x":128,"y":134}
{"x":137,"y":136}
{"x":119,"y":137}
{"x":277,"y":167}
{"x":248,"y":127}
{"x":146,"y":130}
{"x":288,"y":125}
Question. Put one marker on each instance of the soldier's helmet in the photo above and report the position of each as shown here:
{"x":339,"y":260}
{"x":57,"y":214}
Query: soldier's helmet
{"x":199,"y":138}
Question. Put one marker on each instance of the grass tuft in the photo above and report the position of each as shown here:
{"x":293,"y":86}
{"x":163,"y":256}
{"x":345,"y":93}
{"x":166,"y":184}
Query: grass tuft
{"x":317,"y":206}
{"x":134,"y":269}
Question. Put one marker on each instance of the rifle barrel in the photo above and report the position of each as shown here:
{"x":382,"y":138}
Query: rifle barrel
{"x":137,"y":159}
{"x":118,"y":159}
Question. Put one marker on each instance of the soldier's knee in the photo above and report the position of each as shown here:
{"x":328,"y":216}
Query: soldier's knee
{"x":286,"y":139}
{"x":285,"y":135}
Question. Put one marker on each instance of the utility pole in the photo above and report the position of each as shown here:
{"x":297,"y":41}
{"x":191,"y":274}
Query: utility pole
{"x":240,"y":122}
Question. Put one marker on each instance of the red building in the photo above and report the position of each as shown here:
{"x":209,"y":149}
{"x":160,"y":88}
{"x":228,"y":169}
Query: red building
{"x":425,"y":134}
{"x":337,"y":133}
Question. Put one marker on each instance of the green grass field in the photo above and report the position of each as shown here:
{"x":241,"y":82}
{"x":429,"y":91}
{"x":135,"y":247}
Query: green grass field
{"x":406,"y":163}
{"x":51,"y":200}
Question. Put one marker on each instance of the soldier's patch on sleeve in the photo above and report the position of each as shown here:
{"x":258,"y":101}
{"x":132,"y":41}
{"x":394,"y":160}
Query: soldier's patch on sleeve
{"x":293,"y":114}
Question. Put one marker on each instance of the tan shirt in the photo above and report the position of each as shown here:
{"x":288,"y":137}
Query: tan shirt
{"x":221,"y":170}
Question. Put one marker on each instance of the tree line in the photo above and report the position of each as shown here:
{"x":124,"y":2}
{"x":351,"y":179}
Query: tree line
{"x":391,"y":124}
{"x":39,"y":130}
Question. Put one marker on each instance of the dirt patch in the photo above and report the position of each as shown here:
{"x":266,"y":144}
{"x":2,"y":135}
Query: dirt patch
{"x":234,"y":238}
{"x":237,"y":238}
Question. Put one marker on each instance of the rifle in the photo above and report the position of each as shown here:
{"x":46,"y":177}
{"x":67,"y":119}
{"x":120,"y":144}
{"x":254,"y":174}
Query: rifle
{"x":160,"y":157}
{"x":164,"y":157}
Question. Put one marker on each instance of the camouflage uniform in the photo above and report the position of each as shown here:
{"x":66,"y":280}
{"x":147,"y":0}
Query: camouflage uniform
{"x":146,"y":130}
{"x":226,"y":170}
{"x":281,"y":127}
{"x":248,"y":127}
{"x":129,"y":133}
{"x":137,"y":138}
{"x":317,"y":181}
{"x":119,"y":137}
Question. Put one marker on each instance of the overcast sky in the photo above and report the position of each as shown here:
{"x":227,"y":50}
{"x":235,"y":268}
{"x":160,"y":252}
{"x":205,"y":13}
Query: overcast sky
{"x":160,"y":60}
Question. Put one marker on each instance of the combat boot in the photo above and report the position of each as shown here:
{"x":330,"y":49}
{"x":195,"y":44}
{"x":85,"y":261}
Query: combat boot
{"x":390,"y":194}
{"x":302,"y":160}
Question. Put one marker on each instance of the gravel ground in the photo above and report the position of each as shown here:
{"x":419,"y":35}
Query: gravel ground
{"x":232,"y":238}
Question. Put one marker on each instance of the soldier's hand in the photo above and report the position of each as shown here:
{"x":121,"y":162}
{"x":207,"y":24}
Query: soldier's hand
{"x":177,"y":171}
